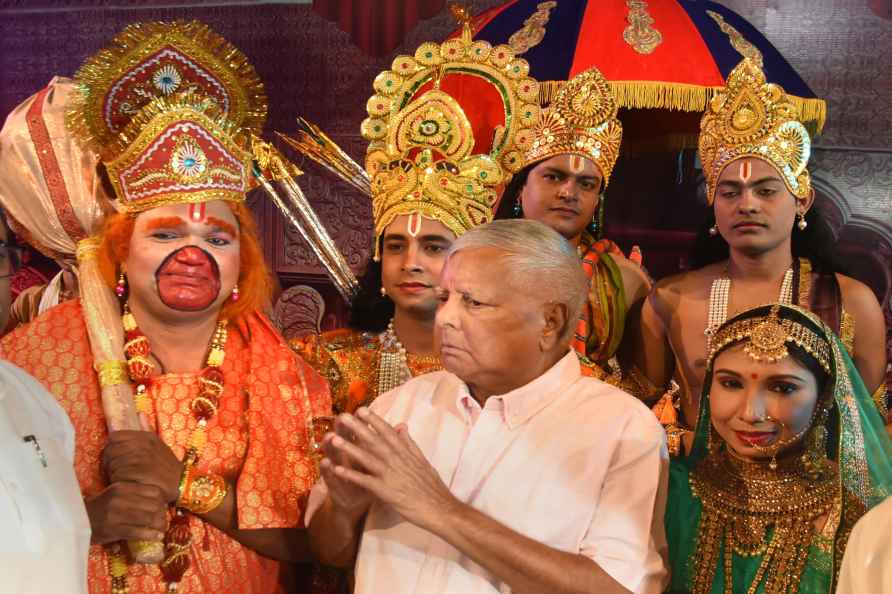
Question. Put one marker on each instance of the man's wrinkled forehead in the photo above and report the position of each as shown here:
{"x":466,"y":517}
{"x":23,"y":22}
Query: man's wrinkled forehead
{"x":478,"y":267}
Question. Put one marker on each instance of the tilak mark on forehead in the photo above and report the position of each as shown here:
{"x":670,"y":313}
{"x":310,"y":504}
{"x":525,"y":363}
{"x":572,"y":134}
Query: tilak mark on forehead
{"x":413,"y":224}
{"x":746,"y":170}
{"x":577,"y":164}
{"x":197,"y":212}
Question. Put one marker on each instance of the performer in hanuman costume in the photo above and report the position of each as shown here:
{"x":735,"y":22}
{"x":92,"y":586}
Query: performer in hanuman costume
{"x":566,"y":171}
{"x":754,"y":152}
{"x":225,"y":457}
{"x":446,"y":127}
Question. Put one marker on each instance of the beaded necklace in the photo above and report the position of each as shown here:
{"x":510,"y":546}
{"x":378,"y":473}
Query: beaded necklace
{"x":393,"y":362}
{"x":204,"y":407}
{"x":718,"y":301}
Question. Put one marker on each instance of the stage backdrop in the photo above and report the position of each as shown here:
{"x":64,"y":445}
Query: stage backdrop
{"x":312,"y":68}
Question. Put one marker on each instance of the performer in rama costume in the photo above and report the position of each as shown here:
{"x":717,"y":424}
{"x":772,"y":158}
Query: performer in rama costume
{"x":566,"y":171}
{"x":767,"y":242}
{"x":446,"y":127}
{"x":789,"y":452}
{"x":225,"y":457}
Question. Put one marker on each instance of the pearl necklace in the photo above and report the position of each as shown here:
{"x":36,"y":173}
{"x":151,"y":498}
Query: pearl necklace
{"x":393,"y":362}
{"x":718,"y":302}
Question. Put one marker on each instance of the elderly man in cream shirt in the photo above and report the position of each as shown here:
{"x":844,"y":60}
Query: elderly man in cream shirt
{"x":867,"y":563}
{"x":509,"y":471}
{"x":44,"y":530}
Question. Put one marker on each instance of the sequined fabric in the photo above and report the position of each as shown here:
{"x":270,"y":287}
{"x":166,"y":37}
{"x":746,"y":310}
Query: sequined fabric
{"x":259,"y":440}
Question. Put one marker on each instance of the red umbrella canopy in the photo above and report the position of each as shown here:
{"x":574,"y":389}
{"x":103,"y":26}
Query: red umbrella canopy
{"x":658,"y":55}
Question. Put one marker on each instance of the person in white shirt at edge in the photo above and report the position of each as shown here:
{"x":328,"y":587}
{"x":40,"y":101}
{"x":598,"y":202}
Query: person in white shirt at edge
{"x":867,"y":562}
{"x":509,"y":471}
{"x":44,"y":530}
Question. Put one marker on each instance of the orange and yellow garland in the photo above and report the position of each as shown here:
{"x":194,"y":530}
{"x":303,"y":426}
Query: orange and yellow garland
{"x":198,"y":493}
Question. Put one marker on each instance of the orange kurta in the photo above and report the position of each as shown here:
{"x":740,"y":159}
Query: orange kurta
{"x":258,"y":440}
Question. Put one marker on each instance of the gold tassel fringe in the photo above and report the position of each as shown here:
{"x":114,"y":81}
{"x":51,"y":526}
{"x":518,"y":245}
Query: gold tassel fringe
{"x":683,"y":97}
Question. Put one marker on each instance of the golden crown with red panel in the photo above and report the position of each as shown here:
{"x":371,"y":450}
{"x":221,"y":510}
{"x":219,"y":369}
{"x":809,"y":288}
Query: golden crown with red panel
{"x":153,"y":60}
{"x":581,"y":120}
{"x":446,"y":127}
{"x":178,"y":151}
{"x":754,"y":118}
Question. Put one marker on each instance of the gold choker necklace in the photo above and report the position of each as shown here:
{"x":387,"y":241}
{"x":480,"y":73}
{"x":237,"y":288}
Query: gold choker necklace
{"x":742,"y":501}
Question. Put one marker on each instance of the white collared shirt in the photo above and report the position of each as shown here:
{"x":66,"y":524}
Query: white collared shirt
{"x":44,"y":529}
{"x":565,"y":460}
{"x":867,"y":563}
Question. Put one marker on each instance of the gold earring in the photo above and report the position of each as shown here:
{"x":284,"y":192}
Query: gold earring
{"x":815,"y":456}
{"x":802,"y":224}
{"x":714,"y":230}
{"x":383,"y":292}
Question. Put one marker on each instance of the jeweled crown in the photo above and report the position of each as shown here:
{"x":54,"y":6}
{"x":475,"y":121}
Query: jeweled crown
{"x":178,"y":151}
{"x":152,"y":60}
{"x":754,"y":118}
{"x":581,"y":120}
{"x":446,"y":127}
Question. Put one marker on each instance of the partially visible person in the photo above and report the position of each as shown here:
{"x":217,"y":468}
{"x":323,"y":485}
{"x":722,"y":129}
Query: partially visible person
{"x":51,"y":191}
{"x":789,"y":453}
{"x":36,"y":299}
{"x":566,"y":171}
{"x":434,"y":171}
{"x":509,"y":470}
{"x":44,"y":529}
{"x":867,"y":563}
{"x":767,"y":244}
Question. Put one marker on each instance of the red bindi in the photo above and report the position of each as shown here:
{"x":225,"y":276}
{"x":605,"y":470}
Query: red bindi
{"x":754,"y":376}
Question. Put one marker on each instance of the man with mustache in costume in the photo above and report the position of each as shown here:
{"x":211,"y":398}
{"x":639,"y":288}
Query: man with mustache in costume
{"x":770,"y":244}
{"x":225,"y":458}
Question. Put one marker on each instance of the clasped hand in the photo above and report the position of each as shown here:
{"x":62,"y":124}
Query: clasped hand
{"x":367,"y":459}
{"x":144,"y":477}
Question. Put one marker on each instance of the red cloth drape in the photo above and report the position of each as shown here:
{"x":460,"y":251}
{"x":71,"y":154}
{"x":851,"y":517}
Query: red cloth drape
{"x":377,"y":27}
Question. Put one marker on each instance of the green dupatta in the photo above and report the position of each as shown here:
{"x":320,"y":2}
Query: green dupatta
{"x":857,"y":441}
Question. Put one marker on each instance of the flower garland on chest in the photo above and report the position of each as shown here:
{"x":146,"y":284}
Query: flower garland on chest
{"x":198,"y":494}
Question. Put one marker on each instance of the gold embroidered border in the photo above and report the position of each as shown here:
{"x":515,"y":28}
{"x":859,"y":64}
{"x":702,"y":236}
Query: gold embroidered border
{"x":52,"y":174}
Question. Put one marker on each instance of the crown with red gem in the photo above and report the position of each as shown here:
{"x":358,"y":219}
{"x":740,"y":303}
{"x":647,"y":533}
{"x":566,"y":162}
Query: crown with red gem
{"x":178,"y":151}
{"x":446,"y":127}
{"x":147,"y":61}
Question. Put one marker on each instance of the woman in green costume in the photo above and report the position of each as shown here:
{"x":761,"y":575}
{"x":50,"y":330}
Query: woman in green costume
{"x":789,"y":452}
